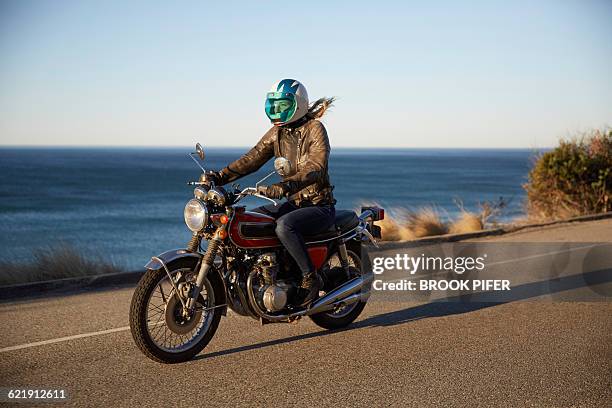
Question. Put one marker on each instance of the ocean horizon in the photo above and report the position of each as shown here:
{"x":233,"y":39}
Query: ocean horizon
{"x":125,"y":204}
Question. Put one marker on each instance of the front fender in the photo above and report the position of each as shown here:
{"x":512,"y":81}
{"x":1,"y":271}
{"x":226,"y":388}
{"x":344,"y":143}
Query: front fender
{"x":214,"y":275}
{"x":170,"y":256}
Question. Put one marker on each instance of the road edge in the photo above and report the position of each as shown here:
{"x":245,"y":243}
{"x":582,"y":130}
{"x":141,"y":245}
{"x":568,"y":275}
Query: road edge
{"x":490,"y":232}
{"x":34,"y":289}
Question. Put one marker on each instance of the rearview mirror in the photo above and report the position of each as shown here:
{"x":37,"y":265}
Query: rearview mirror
{"x":282,"y":166}
{"x":200,"y":151}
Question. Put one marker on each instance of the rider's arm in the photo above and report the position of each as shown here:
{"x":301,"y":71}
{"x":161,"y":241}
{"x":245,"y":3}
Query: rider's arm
{"x":252,"y":160}
{"x":316,"y":165}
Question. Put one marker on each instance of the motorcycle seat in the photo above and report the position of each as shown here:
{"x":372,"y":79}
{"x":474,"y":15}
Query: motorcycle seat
{"x":345,"y":221}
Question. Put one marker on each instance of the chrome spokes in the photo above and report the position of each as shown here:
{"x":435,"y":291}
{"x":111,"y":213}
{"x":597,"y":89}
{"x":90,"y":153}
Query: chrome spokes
{"x":169,"y":328}
{"x":355,"y":270}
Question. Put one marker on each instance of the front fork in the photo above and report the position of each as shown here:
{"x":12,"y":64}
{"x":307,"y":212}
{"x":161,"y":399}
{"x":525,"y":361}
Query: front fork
{"x":207,"y":262}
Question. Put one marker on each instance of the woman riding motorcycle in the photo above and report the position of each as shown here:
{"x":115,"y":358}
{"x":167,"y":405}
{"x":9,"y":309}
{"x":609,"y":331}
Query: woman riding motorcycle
{"x":297,"y":135}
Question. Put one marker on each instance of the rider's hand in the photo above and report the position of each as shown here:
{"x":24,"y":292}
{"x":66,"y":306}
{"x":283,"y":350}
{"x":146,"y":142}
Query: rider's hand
{"x":276,"y":191}
{"x":214,"y":177}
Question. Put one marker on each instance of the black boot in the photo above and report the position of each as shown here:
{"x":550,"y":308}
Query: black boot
{"x":309,"y":288}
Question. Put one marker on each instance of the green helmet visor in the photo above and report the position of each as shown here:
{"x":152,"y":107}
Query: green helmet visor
{"x":280,"y":106}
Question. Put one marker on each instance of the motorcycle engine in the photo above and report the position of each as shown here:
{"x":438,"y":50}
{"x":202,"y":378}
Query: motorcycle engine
{"x":272,"y":293}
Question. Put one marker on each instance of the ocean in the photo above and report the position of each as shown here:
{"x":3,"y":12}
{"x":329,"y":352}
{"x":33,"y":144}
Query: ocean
{"x":126,"y":204}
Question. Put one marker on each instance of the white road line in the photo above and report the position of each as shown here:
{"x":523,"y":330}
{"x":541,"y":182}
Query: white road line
{"x":546,"y":254}
{"x":61,"y":339}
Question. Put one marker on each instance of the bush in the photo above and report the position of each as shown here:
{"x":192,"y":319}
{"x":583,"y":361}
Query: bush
{"x":573,"y":179}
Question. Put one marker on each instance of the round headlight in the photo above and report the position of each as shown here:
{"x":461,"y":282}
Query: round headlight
{"x":196,"y":215}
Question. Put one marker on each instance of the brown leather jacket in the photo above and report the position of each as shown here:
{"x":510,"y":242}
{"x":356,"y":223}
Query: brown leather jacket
{"x":307,"y":148}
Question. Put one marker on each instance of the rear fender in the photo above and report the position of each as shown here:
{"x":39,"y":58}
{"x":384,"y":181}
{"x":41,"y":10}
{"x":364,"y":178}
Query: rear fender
{"x":192,"y":259}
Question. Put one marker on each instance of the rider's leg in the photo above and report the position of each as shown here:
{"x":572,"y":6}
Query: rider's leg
{"x":275,"y":210}
{"x":290,"y":229}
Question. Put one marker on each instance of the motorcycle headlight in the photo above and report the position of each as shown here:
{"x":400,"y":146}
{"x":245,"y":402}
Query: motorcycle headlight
{"x":196,"y":215}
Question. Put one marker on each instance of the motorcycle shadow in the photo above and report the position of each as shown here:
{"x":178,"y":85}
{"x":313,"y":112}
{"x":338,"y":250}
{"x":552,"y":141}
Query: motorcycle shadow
{"x":447,"y":307}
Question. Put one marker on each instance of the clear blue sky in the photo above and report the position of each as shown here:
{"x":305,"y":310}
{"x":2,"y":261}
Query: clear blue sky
{"x":409,"y":74}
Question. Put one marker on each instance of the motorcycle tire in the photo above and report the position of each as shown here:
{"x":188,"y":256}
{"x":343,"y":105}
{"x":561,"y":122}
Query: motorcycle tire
{"x":327,"y":320}
{"x":138,"y":314}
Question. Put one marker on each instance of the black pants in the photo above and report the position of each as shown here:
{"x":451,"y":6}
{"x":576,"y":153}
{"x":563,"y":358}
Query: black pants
{"x":292,"y":223}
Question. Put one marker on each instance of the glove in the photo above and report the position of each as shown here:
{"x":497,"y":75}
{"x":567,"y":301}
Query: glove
{"x":216,"y":177}
{"x":276,"y":191}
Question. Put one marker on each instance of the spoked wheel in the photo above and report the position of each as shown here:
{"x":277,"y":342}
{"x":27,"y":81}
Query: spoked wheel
{"x":161,"y":327}
{"x":346,"y":314}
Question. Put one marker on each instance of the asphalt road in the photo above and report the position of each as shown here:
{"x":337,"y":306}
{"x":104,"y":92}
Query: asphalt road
{"x":531,"y":351}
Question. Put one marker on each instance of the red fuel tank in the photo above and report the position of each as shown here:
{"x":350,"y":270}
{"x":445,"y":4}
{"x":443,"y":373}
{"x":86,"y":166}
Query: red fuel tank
{"x":252,"y":230}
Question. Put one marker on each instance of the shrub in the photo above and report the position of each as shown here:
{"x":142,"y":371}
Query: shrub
{"x":573,"y":179}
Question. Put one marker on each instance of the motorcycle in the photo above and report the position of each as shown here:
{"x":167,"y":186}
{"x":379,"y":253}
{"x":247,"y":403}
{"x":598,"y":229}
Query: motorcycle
{"x":179,"y":301}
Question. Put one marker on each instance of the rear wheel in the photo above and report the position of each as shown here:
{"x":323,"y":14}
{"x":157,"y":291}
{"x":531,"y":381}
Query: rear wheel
{"x":160,"y":328}
{"x":344,"y":315}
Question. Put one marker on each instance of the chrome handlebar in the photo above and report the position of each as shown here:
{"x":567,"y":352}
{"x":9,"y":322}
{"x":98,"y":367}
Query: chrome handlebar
{"x":252,"y":191}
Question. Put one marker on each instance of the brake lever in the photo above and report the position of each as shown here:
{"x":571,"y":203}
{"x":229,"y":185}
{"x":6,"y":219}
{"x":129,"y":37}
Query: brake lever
{"x":253,"y":191}
{"x":266,"y":198}
{"x":370,"y":237}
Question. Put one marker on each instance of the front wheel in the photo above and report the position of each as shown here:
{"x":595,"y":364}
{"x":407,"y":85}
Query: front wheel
{"x":160,"y":328}
{"x":345,"y":315}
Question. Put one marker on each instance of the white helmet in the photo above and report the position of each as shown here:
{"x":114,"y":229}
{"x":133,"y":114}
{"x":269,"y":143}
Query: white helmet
{"x":286,"y":102}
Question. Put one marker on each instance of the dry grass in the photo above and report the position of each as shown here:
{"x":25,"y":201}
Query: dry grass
{"x":467,"y":222}
{"x":392,"y":231}
{"x":402,"y":224}
{"x":562,"y":212}
{"x":57,"y":262}
{"x":426,"y":222}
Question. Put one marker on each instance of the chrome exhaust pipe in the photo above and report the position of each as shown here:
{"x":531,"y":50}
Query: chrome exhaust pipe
{"x":345,"y":294}
{"x":354,"y":298}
